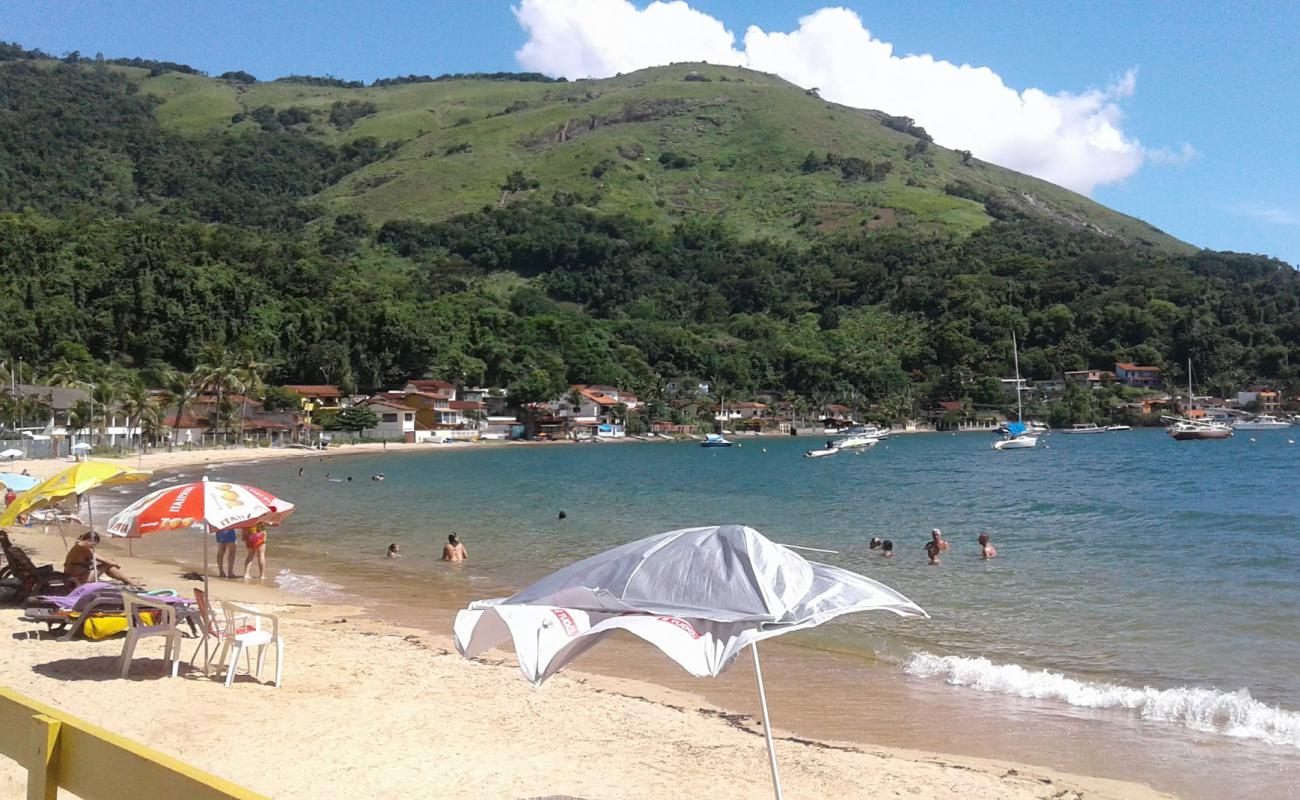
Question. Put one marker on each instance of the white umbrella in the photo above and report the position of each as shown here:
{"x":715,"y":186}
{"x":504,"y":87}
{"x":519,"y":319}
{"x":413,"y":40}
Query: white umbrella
{"x":82,"y":446}
{"x":11,"y":454}
{"x":701,"y":595}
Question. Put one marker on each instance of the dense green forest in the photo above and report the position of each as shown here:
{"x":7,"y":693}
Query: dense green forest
{"x":122,"y":242}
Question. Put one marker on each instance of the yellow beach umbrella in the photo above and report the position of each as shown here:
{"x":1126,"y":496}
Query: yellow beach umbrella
{"x":75,"y":480}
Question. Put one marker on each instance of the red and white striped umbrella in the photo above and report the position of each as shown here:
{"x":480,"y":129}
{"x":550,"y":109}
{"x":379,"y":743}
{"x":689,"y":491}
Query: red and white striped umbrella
{"x":216,"y":506}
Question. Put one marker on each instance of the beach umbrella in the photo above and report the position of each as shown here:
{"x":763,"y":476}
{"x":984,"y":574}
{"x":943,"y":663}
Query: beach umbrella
{"x":210,"y":505}
{"x":83,"y":446}
{"x":11,"y":454}
{"x":77,"y":479}
{"x":19,"y":483}
{"x":701,"y":595}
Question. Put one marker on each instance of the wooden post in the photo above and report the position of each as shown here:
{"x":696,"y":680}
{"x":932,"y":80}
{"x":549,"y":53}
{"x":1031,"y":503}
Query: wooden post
{"x":43,"y":769}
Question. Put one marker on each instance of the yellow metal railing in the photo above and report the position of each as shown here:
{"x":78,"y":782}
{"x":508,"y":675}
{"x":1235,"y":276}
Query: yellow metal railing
{"x":59,"y":750}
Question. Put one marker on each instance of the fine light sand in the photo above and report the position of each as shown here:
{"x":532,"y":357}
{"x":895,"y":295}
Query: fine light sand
{"x":373,"y":710}
{"x":161,"y":460}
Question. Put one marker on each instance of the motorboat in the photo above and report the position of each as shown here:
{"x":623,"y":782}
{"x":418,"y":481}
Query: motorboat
{"x":1084,"y":427}
{"x":1022,"y":441}
{"x":860,"y":436}
{"x":1113,"y":428}
{"x":1018,"y":435}
{"x":1263,"y":422}
{"x":1188,"y":429}
{"x":821,"y":452}
{"x":715,"y":440}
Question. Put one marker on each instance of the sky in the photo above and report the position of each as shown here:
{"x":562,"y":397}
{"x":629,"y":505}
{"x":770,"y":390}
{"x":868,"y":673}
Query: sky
{"x":1185,"y":114}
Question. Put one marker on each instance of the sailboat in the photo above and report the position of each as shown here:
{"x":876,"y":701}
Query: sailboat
{"x":1018,"y":436}
{"x":1187,"y":428}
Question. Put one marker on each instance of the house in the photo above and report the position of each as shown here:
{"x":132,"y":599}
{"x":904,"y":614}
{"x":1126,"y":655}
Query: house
{"x":838,"y":416}
{"x":318,"y":397}
{"x":396,"y":421}
{"x":683,"y":385}
{"x":1093,"y":378}
{"x":439,"y":389}
{"x":745,"y":411}
{"x":1133,"y":375}
{"x":1264,"y":400}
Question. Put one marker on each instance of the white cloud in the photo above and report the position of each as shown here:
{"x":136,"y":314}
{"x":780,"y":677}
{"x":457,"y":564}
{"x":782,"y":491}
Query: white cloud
{"x":1173,"y":156}
{"x":1270,"y":214}
{"x":1074,"y":139}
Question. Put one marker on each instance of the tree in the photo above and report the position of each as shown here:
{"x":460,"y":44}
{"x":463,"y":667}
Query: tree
{"x":356,"y":419}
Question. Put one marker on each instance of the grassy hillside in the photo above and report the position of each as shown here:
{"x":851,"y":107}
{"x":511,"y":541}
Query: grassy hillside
{"x":735,"y":145}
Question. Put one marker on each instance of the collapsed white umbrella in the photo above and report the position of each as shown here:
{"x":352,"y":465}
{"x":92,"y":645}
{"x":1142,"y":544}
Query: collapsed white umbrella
{"x":700,"y":595}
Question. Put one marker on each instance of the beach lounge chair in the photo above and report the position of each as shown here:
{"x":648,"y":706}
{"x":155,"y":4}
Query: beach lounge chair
{"x":32,"y":579}
{"x":147,"y":617}
{"x":236,"y":636}
{"x":71,"y":614}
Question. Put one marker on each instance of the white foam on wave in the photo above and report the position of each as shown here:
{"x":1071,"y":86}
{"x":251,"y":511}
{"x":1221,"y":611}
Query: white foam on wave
{"x":1227,"y":713}
{"x":308,"y":585}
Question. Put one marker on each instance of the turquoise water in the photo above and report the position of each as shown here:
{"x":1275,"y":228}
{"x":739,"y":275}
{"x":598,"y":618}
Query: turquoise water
{"x":1156,"y":578}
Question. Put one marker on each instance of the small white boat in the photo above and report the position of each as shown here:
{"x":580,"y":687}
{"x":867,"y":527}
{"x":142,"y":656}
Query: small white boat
{"x":1021,"y":442}
{"x":1084,"y":427}
{"x":1191,"y":429}
{"x":715,"y":440}
{"x":820,"y":452}
{"x":860,"y":436}
{"x":1113,"y":428}
{"x":1263,"y":422}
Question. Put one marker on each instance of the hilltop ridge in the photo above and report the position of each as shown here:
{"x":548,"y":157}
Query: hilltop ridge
{"x":659,"y":144}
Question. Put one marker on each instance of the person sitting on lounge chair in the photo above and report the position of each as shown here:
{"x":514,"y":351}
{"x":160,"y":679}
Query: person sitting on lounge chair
{"x":81,"y":562}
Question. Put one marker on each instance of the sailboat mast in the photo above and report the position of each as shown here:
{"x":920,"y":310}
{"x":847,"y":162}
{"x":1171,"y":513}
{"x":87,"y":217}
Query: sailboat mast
{"x":1015,"y":357}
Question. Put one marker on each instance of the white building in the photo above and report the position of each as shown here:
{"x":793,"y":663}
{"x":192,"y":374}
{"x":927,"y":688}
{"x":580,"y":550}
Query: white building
{"x":396,"y":422}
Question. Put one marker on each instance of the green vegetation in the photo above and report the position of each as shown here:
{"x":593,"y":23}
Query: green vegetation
{"x":533,"y":234}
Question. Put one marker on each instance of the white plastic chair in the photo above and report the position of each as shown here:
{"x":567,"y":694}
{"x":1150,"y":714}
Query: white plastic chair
{"x":244,"y":628}
{"x":139,"y":628}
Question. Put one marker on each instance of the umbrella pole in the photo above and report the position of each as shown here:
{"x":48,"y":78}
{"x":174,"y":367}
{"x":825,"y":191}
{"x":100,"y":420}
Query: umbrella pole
{"x":767,"y":727}
{"x":90,"y":524}
{"x":207,"y":593}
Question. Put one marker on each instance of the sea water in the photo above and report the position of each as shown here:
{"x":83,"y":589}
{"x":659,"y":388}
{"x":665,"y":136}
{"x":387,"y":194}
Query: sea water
{"x":1145,"y":597}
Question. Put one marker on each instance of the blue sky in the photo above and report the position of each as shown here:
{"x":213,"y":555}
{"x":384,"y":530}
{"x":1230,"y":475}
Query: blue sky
{"x":1221,"y":78}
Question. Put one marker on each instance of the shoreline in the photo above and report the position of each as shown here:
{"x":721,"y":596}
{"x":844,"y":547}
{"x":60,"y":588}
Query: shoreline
{"x":331,"y":667}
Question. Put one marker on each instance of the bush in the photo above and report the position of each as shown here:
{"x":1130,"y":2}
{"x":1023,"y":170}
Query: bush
{"x":671,"y":160}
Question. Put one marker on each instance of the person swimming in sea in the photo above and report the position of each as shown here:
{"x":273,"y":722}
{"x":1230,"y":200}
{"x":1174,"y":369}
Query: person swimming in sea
{"x":987,"y":550}
{"x":394,"y":551}
{"x":875,"y":543}
{"x":887,"y":549}
{"x":561,"y":515}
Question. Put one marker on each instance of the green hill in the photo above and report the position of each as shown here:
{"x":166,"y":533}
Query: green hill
{"x":521,"y":232}
{"x":727,"y":143}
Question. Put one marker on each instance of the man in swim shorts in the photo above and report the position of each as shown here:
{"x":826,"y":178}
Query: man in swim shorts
{"x":226,"y":553}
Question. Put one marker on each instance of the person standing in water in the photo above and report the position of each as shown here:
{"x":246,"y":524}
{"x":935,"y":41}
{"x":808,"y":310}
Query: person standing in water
{"x":988,"y":550}
{"x":453,"y":550}
{"x":255,"y":550}
{"x":936,"y":536}
{"x":932,"y":550}
{"x":394,"y":551}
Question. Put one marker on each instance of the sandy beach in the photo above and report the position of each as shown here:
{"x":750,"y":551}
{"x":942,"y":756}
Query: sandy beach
{"x":370,"y":709}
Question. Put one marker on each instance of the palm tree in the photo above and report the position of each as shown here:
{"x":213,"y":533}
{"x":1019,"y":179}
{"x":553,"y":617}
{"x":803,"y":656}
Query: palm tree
{"x":106,"y":393}
{"x":218,"y":372}
{"x":64,"y":373}
{"x":250,"y":373}
{"x":180,"y":388}
{"x":152,"y":419}
{"x":134,"y":402}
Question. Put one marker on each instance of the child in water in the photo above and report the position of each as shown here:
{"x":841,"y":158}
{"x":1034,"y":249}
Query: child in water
{"x":932,"y":550}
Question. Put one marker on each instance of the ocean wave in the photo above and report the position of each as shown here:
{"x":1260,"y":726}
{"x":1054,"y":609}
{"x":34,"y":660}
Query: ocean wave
{"x":308,"y":585}
{"x":1228,"y":713}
